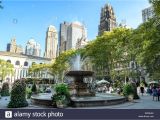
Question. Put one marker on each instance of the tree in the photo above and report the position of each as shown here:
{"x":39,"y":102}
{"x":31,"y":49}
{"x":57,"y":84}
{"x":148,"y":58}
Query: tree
{"x":145,"y":42}
{"x":156,"y":6}
{"x":58,"y":67}
{"x":38,"y":69}
{"x":62,"y":63}
{"x":108,"y":50}
{"x":6,"y":68}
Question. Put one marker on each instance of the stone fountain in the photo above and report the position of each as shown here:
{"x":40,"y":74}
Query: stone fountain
{"x":83,"y":97}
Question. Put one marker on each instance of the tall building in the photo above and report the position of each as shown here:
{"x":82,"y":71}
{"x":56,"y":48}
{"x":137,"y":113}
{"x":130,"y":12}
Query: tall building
{"x":70,"y":33}
{"x":51,"y":42}
{"x":63,"y":36}
{"x":13,"y":47}
{"x":76,"y":31}
{"x":33,"y":48}
{"x":107,"y":19}
{"x":147,"y":13}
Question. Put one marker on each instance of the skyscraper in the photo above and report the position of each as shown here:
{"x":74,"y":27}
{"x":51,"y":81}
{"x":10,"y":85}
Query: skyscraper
{"x":13,"y":47}
{"x":33,"y":48}
{"x":51,"y":42}
{"x":63,"y":36}
{"x":76,"y":31}
{"x":70,"y":33}
{"x":107,"y":19}
{"x":147,"y":13}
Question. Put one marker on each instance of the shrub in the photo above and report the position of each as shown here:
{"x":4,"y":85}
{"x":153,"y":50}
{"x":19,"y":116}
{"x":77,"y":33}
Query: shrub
{"x":18,"y":95}
{"x":28,"y":92}
{"x":62,"y":94}
{"x":34,"y":88}
{"x":128,"y":90}
{"x":5,"y":89}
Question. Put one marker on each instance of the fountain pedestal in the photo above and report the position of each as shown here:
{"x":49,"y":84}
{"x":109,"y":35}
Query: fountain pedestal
{"x":81,"y":87}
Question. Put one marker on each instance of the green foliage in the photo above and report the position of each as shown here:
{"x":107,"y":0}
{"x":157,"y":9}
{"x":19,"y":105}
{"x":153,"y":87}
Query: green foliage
{"x":128,"y":90}
{"x":145,"y":44}
{"x":28,"y":92}
{"x":5,"y":89}
{"x":6,"y":68}
{"x":156,"y":6}
{"x":108,"y":50}
{"x":36,"y":68}
{"x":61,"y":63}
{"x":34,"y":88}
{"x":62,"y":94}
{"x":18,"y":95}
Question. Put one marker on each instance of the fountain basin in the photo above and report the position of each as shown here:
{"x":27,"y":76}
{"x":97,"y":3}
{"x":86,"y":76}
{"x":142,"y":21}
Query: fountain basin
{"x":43,"y":99}
{"x":100,"y":99}
{"x":97,"y":100}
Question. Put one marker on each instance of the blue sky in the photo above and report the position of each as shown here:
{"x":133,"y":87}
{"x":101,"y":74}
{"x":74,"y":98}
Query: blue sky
{"x":25,"y":19}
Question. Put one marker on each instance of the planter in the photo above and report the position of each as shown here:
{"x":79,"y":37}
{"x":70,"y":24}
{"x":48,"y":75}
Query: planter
{"x":60,"y":104}
{"x":130,"y":98}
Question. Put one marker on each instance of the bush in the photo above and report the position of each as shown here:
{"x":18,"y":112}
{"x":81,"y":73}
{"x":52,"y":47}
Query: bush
{"x":28,"y":92}
{"x":128,"y":90}
{"x":62,"y":94}
{"x":18,"y":95}
{"x":5,"y":89}
{"x":34,"y":88}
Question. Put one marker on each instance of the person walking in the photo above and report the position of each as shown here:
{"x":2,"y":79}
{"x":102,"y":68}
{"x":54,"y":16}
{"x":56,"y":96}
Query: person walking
{"x":155,"y":93}
{"x":158,"y":90}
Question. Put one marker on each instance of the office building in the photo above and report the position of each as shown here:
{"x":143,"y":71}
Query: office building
{"x":147,"y":13}
{"x":51,"y":43}
{"x":33,"y":48}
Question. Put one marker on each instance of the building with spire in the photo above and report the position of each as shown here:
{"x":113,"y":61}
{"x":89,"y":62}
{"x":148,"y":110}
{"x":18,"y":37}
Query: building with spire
{"x":107,"y":19}
{"x":51,"y":43}
{"x":13,"y":47}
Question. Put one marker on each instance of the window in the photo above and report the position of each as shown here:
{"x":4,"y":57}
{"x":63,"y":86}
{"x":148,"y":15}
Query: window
{"x":17,"y":63}
{"x":9,"y":61}
{"x":25,"y":63}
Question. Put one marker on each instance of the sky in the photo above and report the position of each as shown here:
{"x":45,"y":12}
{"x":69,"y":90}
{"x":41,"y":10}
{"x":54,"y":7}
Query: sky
{"x":26,"y":19}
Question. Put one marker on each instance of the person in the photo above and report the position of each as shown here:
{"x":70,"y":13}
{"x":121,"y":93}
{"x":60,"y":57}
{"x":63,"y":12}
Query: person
{"x":155,"y":93}
{"x":149,"y":91}
{"x":142,"y":90}
{"x":158,"y":92}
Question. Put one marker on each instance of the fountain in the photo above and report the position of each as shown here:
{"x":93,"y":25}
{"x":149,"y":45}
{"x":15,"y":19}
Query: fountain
{"x":84,"y":97}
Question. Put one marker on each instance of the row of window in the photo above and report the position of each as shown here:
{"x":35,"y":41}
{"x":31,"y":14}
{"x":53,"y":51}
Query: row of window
{"x":18,"y":62}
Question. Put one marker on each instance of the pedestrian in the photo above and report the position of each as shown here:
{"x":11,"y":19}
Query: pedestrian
{"x":155,"y":93}
{"x":158,"y":92}
{"x":142,"y":90}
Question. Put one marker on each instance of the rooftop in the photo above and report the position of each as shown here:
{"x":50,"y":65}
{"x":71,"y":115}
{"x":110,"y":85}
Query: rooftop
{"x":4,"y":53}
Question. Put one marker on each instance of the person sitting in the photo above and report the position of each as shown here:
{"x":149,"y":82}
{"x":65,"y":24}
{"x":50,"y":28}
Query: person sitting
{"x":155,"y":93}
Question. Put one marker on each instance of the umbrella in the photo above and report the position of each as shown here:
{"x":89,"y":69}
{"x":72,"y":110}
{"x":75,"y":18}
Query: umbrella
{"x":153,"y":82}
{"x":103,"y":81}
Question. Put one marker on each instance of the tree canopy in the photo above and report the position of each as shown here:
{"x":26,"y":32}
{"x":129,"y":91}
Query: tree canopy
{"x":6,"y":68}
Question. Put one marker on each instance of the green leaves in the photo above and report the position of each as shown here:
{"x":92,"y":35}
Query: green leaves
{"x":108,"y":50}
{"x":6,"y":68}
